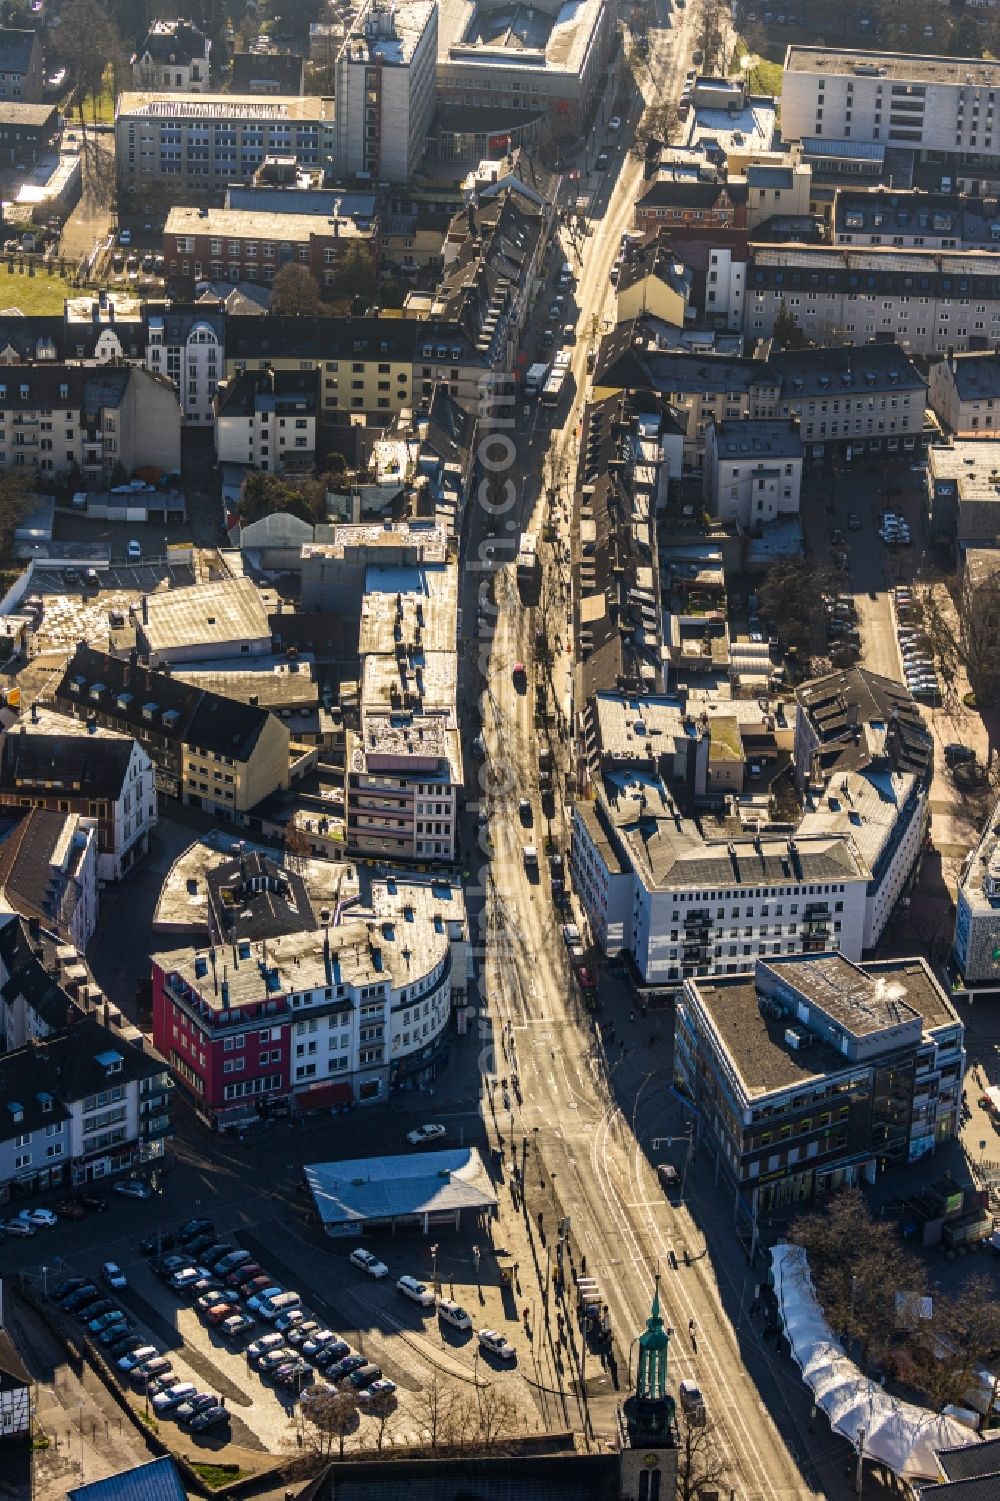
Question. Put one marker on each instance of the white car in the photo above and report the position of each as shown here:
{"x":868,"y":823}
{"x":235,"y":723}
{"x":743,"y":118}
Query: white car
{"x":134,"y":551}
{"x":137,"y":1357}
{"x":615,"y":123}
{"x":421,"y":1134}
{"x":454,"y":1314}
{"x":416,"y":1292}
{"x":494,"y":1343}
{"x":174,"y":1395}
{"x":368,"y":1263}
{"x":113,"y":1274}
{"x":38,"y":1216}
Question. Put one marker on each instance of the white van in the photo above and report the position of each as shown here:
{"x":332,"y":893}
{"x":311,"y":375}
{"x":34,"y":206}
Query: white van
{"x":454,"y":1314}
{"x":416,"y":1292}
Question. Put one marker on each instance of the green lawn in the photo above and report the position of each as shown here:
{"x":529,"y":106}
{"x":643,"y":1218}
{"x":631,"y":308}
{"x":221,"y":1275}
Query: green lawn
{"x":215,"y":1476}
{"x":765,"y":77}
{"x":40,"y":293}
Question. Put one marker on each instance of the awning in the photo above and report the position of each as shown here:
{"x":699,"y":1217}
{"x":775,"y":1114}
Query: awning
{"x":325,"y":1096}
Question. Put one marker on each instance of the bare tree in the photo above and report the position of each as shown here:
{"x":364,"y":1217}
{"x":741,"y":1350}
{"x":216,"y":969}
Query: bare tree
{"x":330,"y":1419}
{"x":295,"y":290}
{"x":297,"y":846}
{"x":87,"y":39}
{"x":382,"y":1410}
{"x":701,"y":1466}
{"x":494,"y":1415}
{"x":957,"y":1341}
{"x":438,"y":1412}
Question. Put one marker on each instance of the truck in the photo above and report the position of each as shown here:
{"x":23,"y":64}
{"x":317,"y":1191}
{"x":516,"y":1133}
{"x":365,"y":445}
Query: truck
{"x":544,"y":767}
{"x":527,"y":558}
{"x":530,"y":857}
{"x":536,"y":378}
{"x":553,"y":389}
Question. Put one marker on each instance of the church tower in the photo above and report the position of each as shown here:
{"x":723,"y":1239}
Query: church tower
{"x":647,"y":1434}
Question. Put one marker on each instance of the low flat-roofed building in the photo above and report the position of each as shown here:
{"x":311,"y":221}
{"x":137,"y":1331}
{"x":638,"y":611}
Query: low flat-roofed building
{"x":224,"y":618}
{"x":963,"y":491}
{"x":419,"y":1191}
{"x":810,"y":1072}
{"x":252,"y":245}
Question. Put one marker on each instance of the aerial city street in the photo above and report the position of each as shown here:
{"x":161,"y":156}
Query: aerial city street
{"x":499,"y":813}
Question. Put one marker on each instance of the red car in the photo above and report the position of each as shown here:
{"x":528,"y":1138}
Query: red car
{"x":244,"y":1274}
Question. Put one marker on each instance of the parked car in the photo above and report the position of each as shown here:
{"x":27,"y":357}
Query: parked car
{"x":173,"y":1396}
{"x":601,"y":164}
{"x":156,"y":1245}
{"x":257,"y":1302}
{"x":294,"y":1373}
{"x":314,"y":1341}
{"x":213,"y":1254}
{"x":108,"y":1320}
{"x":302,"y":1331}
{"x":422,"y":1134}
{"x":345,"y":1367}
{"x":191,"y":1228}
{"x":113,"y":1275}
{"x":157,"y":1368}
{"x":134,"y":552}
{"x":277,"y":1307}
{"x":286,"y":1322}
{"x":19,"y":1227}
{"x":77,"y":1298}
{"x":66,"y":1286}
{"x":44,"y":1218}
{"x":692,"y":1400}
{"x":236,"y":1324}
{"x":330,"y":1353}
{"x":95,"y":1202}
{"x":209,"y":1419}
{"x":364,"y":1376}
{"x":416,"y":1291}
{"x":191,"y":1406}
{"x":254,"y":1286}
{"x":494,"y":1344}
{"x":133,"y":1358}
{"x":133,"y":1188}
{"x":165,"y":1266}
{"x":369,"y":1263}
{"x":69,"y":1209}
{"x":379,"y":1391}
{"x":121,"y":1344}
{"x":186,"y":1277}
{"x":94,"y":1309}
{"x":231,"y":1263}
{"x":244,"y":1274}
{"x":263,"y":1345}
{"x":272,"y":1359}
{"x":217,"y":1299}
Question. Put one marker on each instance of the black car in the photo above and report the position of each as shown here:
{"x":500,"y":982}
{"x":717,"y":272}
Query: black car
{"x":156,"y":1245}
{"x":198,"y":1243}
{"x":191,"y":1228}
{"x":114,"y":1332}
{"x":296,"y":1373}
{"x":166,"y":1266}
{"x":96,"y":1202}
{"x":209,"y":1420}
{"x":190,"y":1409}
{"x":93,"y":1310}
{"x":956,"y":754}
{"x":87,"y":1293}
{"x":121,"y":1343}
{"x":601,"y":164}
{"x":345,"y":1367}
{"x":213,"y":1254}
{"x":66,"y":1286}
{"x":331,"y":1354}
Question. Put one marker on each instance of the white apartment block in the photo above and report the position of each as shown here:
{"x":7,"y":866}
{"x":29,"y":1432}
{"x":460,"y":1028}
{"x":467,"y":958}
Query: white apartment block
{"x":189,"y":142}
{"x":753,"y":471}
{"x":927,"y":301}
{"x":386,"y":90}
{"x":725,"y":287}
{"x":717,"y":906}
{"x":940,"y":106}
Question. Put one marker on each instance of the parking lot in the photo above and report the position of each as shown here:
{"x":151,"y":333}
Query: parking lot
{"x":412,"y":1347}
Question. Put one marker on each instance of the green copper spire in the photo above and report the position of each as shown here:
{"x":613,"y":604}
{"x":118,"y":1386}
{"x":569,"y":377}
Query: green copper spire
{"x":651,"y":1378}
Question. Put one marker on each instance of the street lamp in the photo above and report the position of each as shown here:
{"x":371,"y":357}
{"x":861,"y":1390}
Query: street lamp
{"x":434,"y":1268}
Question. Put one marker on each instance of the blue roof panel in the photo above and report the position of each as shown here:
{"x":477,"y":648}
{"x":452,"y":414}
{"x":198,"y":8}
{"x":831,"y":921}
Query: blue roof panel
{"x":156,"y":1481}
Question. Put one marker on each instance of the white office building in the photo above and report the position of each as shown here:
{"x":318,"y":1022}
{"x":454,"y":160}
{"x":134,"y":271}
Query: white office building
{"x":945,"y":106}
{"x":385,"y":90}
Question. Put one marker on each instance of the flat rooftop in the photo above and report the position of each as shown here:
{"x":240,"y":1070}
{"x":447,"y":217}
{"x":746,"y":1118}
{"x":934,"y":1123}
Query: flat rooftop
{"x":763,"y":1060}
{"x":548,"y":38}
{"x":203,"y":614}
{"x":431,"y":680}
{"x":270,"y":109}
{"x":415,"y":607}
{"x":259,"y":224}
{"x":399,"y":30}
{"x":182,"y":907}
{"x":272,"y":682}
{"x":916,"y":67}
{"x":382,"y":1188}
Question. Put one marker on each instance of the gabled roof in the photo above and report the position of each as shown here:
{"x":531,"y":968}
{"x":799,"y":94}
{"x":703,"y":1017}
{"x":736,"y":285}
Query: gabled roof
{"x":13,"y":1371}
{"x":155,"y":702}
{"x":15,"y":49}
{"x":280,"y":71}
{"x":93,"y":766}
{"x":173,"y":42}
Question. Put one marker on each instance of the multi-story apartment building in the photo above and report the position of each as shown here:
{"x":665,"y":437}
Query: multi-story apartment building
{"x":80,"y":1106}
{"x":187,"y":345}
{"x":808,"y":1073}
{"x":253,"y":246}
{"x":976,"y":950}
{"x":338,"y":1015}
{"x":753,"y":470}
{"x":848,"y":402}
{"x":913,"y":220}
{"x":53,"y":417}
{"x":964,"y":390}
{"x":21,"y":73}
{"x":27,"y":131}
{"x":175,"y":56}
{"x":56,"y":762}
{"x":835,"y":716}
{"x":940,"y":108}
{"x":188,"y":143}
{"x":266,"y":419}
{"x":385,"y":90}
{"x":211,"y":752}
{"x":926,"y":301}
{"x":404,"y":762}
{"x":48,"y":871}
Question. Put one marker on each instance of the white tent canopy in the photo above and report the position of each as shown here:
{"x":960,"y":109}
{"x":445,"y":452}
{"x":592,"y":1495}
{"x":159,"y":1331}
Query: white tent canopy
{"x":897,"y":1434}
